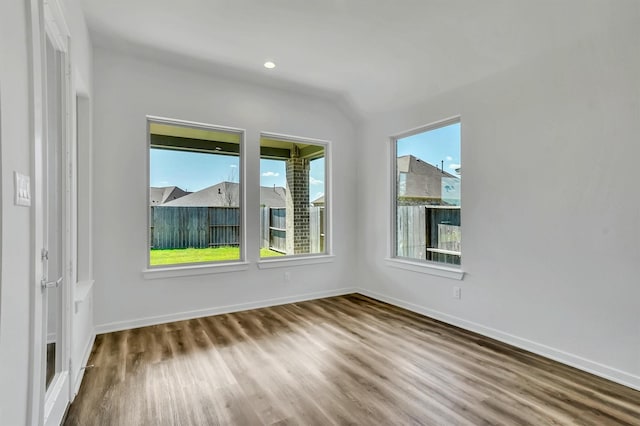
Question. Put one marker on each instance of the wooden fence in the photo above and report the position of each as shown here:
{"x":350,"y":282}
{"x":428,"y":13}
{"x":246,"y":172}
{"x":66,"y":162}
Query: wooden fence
{"x":201,"y":227}
{"x":316,"y":229}
{"x":273,"y":229}
{"x":428,"y":232}
{"x":197,"y":227}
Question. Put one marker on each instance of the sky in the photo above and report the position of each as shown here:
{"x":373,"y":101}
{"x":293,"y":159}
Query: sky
{"x":193,"y":171}
{"x":273,"y":172}
{"x":434,"y":146}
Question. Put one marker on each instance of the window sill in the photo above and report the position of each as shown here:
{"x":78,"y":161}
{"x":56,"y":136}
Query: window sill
{"x":426,"y":268}
{"x":192,"y":270}
{"x":285,"y":262}
{"x":81,"y":292}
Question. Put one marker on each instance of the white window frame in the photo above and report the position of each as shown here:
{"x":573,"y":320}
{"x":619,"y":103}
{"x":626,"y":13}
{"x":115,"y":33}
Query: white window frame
{"x":392,"y":260}
{"x":311,"y":258}
{"x":203,"y":268}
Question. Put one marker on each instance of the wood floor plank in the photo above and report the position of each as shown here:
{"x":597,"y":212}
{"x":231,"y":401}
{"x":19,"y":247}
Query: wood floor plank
{"x":335,"y":361}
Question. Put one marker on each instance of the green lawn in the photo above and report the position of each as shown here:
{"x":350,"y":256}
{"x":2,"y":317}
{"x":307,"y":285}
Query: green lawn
{"x":195,"y":255}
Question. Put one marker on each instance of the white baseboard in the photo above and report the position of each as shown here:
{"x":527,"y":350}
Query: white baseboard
{"x":572,"y":360}
{"x":85,"y":359}
{"x":563,"y":357}
{"x":181,"y":316}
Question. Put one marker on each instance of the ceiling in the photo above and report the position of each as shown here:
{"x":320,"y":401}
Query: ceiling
{"x":373,"y":54}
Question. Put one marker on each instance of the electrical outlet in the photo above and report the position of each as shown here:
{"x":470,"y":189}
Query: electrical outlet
{"x":457,"y":292}
{"x":287,"y":277}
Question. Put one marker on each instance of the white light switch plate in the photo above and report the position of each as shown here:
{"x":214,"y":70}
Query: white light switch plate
{"x":23,"y":189}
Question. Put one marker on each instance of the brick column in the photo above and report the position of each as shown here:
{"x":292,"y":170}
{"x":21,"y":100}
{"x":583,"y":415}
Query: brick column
{"x":297,"y":205}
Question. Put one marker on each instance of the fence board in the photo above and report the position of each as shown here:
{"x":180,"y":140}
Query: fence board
{"x":410,"y":243}
{"x":264,"y":226}
{"x":316,"y":229}
{"x":194,"y":227}
{"x":201,"y":227}
{"x":277,"y":236}
{"x":434,"y":227}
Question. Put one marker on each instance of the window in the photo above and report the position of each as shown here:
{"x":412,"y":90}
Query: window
{"x":293,"y":196}
{"x":426,"y":195}
{"x":195,"y":193}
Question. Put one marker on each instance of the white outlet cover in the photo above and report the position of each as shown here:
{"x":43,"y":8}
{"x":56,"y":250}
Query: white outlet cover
{"x":457,"y":292}
{"x":22,"y":189}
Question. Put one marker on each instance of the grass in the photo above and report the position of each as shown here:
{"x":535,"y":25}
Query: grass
{"x":196,"y":255}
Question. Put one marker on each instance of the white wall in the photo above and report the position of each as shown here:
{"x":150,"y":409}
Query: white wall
{"x":551,"y":210}
{"x":17,"y":253}
{"x":16,"y":232}
{"x":127,"y":89}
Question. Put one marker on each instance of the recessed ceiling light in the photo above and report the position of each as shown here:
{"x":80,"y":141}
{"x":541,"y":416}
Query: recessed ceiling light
{"x":269,"y":65}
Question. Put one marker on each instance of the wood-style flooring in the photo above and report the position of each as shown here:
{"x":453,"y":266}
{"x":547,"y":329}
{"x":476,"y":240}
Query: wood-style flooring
{"x":340,"y":360}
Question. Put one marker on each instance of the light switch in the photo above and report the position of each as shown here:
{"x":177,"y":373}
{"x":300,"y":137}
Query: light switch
{"x":23,"y":189}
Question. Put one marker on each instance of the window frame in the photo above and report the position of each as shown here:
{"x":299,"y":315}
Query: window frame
{"x":416,"y":265}
{"x":307,"y":258}
{"x":198,"y":268}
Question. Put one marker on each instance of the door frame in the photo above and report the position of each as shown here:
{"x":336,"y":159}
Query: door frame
{"x":47,"y":21}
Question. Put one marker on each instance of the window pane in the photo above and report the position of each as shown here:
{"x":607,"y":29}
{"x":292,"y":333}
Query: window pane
{"x":428,"y":174}
{"x":194,"y":195}
{"x":292,"y":197}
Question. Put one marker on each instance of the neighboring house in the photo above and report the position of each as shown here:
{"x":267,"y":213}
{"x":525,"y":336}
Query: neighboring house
{"x":420,"y":182}
{"x":226,"y":194}
{"x":164,"y":194}
{"x":275,"y":196}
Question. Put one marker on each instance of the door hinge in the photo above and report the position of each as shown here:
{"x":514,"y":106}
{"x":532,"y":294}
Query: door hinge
{"x":44,"y":254}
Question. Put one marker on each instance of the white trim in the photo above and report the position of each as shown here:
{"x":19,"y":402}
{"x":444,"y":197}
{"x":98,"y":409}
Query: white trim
{"x":180,"y":316}
{"x":82,"y":290}
{"x":288,"y":261}
{"x":425,"y":268}
{"x":80,"y":367}
{"x":56,"y":25}
{"x":241,"y":193}
{"x":593,"y":367}
{"x":392,"y":170}
{"x":46,"y":22}
{"x":35,"y":399}
{"x":83,"y":199}
{"x":328,"y":181}
{"x":54,"y":410}
{"x":192,"y":270}
{"x":425,"y":128}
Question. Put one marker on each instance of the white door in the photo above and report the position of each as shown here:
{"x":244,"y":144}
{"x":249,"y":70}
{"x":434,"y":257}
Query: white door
{"x":54,"y":254}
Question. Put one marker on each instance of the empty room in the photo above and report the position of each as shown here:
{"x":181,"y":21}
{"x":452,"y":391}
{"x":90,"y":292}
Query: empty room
{"x":319,"y":212}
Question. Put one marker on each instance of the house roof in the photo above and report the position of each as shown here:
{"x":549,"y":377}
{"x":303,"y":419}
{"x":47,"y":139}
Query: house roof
{"x":423,"y":180}
{"x":226,"y":194}
{"x":162,"y":194}
{"x":412,"y":164}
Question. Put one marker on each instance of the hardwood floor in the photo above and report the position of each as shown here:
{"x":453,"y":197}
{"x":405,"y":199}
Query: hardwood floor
{"x":341,"y":360}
